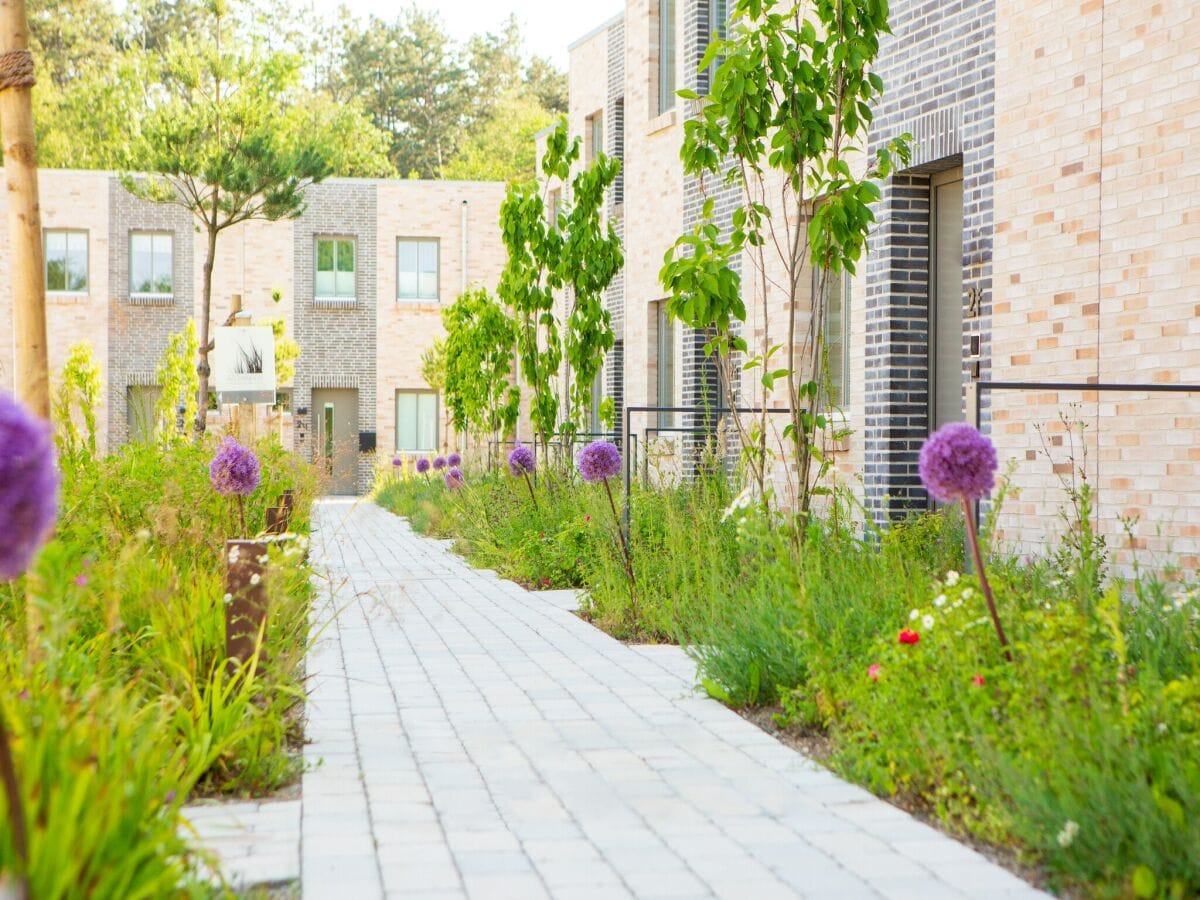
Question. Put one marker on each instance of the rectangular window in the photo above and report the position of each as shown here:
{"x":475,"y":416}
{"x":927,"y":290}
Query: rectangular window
{"x":666,"y":55}
{"x":718,"y":29}
{"x":416,"y":269}
{"x":151,"y":264}
{"x":416,"y":421}
{"x":665,"y":332}
{"x":335,"y":269}
{"x":595,"y":133}
{"x":66,"y":262}
{"x":836,"y":334}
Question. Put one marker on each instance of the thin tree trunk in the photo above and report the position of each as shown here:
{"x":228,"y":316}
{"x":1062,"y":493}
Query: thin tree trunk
{"x":202,"y":368}
{"x":24,"y":211}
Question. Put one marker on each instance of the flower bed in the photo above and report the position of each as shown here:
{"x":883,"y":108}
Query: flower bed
{"x":119,"y":702}
{"x":1081,"y":753}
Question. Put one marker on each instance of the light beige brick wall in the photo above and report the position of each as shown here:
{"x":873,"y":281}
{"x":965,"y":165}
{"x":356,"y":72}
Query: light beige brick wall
{"x":653,"y":209}
{"x":407,"y":328}
{"x":76,"y":201}
{"x":1096,"y":273}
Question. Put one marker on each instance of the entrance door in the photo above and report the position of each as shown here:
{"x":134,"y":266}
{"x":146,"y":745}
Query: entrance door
{"x":335,"y":414}
{"x":946,"y":299}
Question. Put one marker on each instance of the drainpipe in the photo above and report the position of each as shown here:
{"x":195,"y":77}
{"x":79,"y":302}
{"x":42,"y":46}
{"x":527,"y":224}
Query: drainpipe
{"x":465,"y":279}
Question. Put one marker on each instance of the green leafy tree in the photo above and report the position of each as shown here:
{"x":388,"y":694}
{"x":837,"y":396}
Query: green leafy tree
{"x":287,"y":351}
{"x":433,"y":364}
{"x":78,"y":395}
{"x":478,"y":360}
{"x":790,"y":102}
{"x":502,"y":148}
{"x":215,"y":140}
{"x":569,"y":250}
{"x":179,"y":381}
{"x":414,"y":86}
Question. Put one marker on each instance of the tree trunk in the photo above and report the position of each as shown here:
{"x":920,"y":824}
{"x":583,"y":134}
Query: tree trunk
{"x":202,"y":369}
{"x":24,"y":211}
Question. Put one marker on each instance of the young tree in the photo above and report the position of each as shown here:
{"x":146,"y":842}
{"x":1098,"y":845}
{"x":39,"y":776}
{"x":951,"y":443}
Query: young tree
{"x":477,"y":366}
{"x":220,"y":148}
{"x":565,"y":249}
{"x":790,"y":102}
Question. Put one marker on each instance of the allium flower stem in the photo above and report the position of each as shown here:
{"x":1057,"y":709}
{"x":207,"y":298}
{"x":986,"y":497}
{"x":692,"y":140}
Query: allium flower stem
{"x":633,"y":603}
{"x":242,"y":513}
{"x":532,"y":495}
{"x":973,"y":540}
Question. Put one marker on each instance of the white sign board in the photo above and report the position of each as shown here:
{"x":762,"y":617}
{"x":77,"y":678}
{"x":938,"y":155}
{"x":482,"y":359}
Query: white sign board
{"x":243,"y":369}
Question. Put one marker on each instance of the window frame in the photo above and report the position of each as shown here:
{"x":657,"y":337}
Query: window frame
{"x":664,"y":339}
{"x":335,"y":239}
{"x":843,"y":363}
{"x":437,"y":419}
{"x":595,"y":132}
{"x":668,"y":50}
{"x":437,"y":272}
{"x":67,"y":233}
{"x":152,"y":233}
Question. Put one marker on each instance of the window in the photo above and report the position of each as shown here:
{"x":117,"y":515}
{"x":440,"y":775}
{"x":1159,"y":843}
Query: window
{"x":67,"y":262}
{"x":416,"y":270}
{"x":151,"y":262}
{"x":665,"y":332}
{"x":836,"y":334}
{"x":595,"y":132}
{"x":553,"y":207}
{"x":718,"y":29}
{"x":416,"y":421}
{"x":141,"y":412}
{"x":335,"y":269}
{"x":666,"y":55}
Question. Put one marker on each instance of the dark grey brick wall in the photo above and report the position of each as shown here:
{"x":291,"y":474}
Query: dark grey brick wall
{"x":698,"y":372}
{"x":137,"y":331}
{"x":337,"y":345}
{"x":938,"y":70}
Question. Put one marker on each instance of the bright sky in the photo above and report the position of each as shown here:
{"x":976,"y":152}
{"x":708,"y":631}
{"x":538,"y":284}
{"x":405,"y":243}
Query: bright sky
{"x":548,"y":25}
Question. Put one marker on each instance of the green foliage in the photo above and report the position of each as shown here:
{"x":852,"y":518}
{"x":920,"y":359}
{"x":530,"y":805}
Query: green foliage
{"x":790,"y":101}
{"x":1083,"y":753}
{"x":177,"y":378}
{"x":287,"y":351}
{"x":433,"y":363}
{"x":575,"y":252}
{"x":77,"y":397}
{"x":478,"y":362}
{"x":120,"y":703}
{"x":503,"y":147}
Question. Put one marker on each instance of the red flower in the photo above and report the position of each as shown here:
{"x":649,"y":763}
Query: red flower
{"x":873,"y":671}
{"x":909,"y":637}
{"x":546,"y":582}
{"x":978,"y":679}
{"x":587,"y":518}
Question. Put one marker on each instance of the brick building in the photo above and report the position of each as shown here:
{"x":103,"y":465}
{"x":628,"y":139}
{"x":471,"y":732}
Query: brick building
{"x":1045,"y":232}
{"x":360,"y":279}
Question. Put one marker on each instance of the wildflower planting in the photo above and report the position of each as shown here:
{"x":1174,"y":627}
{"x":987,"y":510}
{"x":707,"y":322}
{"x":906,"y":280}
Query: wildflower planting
{"x":1060,"y":725}
{"x":119,"y":703}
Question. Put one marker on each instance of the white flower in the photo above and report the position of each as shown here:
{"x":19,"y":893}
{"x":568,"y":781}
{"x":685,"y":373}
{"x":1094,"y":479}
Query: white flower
{"x":1066,"y":837}
{"x":951,"y":578}
{"x":264,"y":559}
{"x":234,"y":554}
{"x":939,"y":601}
{"x":143,"y":534}
{"x":914,"y":615}
{"x":740,"y":502}
{"x":967,"y":593}
{"x":927,"y":621}
{"x":1162,"y":727}
{"x":255,"y":579}
{"x":228,"y":599}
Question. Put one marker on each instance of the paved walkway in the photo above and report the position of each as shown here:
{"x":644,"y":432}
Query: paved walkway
{"x":478,"y":740}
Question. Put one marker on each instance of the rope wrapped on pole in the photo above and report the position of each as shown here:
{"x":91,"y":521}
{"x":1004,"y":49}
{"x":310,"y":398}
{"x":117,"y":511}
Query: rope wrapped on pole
{"x":16,"y":70}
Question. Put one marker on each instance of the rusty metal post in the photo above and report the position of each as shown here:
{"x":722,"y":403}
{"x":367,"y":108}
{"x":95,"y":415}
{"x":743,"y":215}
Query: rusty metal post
{"x":245,"y":596}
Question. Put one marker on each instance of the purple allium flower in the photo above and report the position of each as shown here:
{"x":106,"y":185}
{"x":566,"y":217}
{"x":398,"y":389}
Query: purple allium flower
{"x":439,"y":463}
{"x":397,"y":461}
{"x":454,"y":479}
{"x":455,"y":460}
{"x":422,"y":465}
{"x":598,"y":461}
{"x":28,"y":486}
{"x":521,"y":461}
{"x":235,"y":469}
{"x":957,"y":461}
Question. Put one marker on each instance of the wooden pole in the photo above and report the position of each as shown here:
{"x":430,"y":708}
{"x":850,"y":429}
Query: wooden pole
{"x":24,"y":211}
